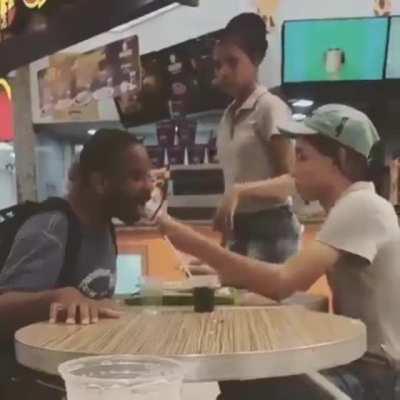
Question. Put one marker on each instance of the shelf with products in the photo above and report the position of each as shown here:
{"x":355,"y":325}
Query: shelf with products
{"x":184,"y":141}
{"x":179,"y":107}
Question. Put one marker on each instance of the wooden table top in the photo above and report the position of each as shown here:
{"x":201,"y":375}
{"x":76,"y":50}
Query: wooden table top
{"x":231,"y":343}
{"x":312,"y":302}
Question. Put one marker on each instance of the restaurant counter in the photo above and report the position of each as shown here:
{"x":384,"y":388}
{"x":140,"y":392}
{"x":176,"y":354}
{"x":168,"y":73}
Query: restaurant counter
{"x":161,"y":261}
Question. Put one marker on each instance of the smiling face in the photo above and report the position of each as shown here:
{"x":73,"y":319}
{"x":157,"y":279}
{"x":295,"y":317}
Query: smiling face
{"x":128,"y":189}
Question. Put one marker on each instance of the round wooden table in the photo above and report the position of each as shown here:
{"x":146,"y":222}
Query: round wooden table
{"x":229,"y":344}
{"x":312,"y":302}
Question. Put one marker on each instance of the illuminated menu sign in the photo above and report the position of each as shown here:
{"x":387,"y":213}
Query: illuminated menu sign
{"x":74,"y":83}
{"x":32,"y":29}
{"x":6,"y":88}
{"x":7,"y":132}
{"x":35,"y":3}
{"x":9,"y":10}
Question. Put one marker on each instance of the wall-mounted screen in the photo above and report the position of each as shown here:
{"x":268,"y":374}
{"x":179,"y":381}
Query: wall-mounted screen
{"x":393,"y":60}
{"x":334,"y":49}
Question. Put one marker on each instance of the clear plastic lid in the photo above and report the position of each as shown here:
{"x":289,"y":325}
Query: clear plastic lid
{"x":121,"y":370}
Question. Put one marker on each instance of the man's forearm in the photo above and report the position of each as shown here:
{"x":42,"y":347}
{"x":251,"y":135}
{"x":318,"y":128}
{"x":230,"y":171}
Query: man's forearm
{"x":279,"y":188}
{"x":235,"y":270}
{"x":18,"y":309}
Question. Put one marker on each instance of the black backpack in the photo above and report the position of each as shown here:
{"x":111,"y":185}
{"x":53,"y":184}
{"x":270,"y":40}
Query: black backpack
{"x":12,"y":219}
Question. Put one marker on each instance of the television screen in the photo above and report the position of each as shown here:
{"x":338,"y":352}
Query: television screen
{"x":334,"y":49}
{"x":393,"y":61}
{"x":175,"y":81}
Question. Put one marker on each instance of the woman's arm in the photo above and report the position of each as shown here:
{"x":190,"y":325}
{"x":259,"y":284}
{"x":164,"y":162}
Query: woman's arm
{"x":279,"y":188}
{"x":282,"y":154}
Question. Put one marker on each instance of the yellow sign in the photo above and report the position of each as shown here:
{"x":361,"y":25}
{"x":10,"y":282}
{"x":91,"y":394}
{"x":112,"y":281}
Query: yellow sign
{"x":383,"y":8}
{"x":267,"y":9}
{"x":4,"y":85}
{"x":35,"y":3}
{"x":7,"y":13}
{"x":9,"y":8}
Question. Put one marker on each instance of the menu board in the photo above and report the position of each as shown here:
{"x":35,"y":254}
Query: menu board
{"x":175,"y":81}
{"x":73,"y":83}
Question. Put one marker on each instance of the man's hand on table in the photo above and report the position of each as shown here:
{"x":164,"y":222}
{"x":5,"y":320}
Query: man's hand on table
{"x":71,"y":306}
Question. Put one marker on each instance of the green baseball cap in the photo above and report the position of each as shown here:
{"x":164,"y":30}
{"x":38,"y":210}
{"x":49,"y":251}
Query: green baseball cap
{"x":344,"y":124}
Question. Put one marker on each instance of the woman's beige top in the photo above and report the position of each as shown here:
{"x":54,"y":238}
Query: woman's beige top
{"x":243,"y":141}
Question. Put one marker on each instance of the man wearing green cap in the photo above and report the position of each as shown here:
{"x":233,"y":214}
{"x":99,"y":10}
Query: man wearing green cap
{"x":358,"y":246}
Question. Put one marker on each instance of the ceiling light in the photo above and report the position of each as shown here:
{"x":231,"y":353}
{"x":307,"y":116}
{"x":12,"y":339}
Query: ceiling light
{"x":91,"y":132}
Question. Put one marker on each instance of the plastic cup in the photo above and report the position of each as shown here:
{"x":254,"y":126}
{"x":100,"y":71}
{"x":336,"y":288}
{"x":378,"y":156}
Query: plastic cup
{"x":151,"y":291}
{"x":204,"y":292}
{"x":204,"y":299}
{"x":122,"y":377}
{"x":176,"y":155}
{"x":197,"y":154}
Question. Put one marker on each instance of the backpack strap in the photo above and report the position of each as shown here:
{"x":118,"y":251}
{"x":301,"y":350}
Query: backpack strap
{"x":11,"y":219}
{"x":74,"y":236}
{"x":114,"y":237}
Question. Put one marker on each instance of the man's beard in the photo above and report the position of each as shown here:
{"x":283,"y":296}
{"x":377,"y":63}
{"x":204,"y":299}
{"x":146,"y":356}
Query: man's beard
{"x":130,"y":219}
{"x":126,"y":210}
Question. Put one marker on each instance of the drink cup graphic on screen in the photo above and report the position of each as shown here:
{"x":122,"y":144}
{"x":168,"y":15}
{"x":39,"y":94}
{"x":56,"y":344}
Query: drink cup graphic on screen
{"x":334,"y":61}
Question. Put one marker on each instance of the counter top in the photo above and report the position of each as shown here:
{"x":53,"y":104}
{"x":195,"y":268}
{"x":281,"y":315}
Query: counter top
{"x":150,"y":228}
{"x":137,"y":228}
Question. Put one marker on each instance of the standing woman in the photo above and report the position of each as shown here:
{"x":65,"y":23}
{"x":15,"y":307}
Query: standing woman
{"x":250,"y":147}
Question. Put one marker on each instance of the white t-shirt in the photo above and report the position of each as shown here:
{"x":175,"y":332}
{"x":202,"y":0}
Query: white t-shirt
{"x":243,"y":142}
{"x":366,"y":281}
